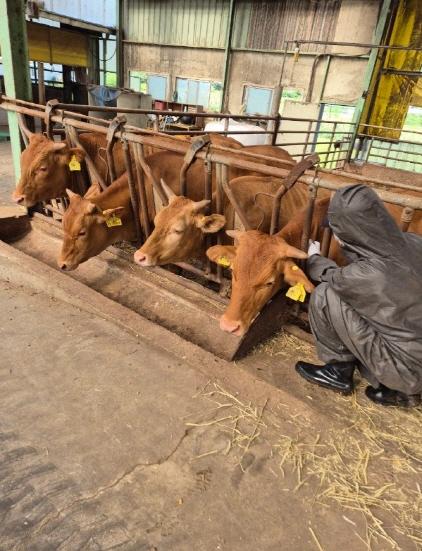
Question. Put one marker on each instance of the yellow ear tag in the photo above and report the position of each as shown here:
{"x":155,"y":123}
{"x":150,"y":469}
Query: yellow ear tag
{"x":74,"y":164}
{"x":294,"y":268}
{"x":113,"y":220}
{"x":224,"y":261}
{"x":297,"y":292}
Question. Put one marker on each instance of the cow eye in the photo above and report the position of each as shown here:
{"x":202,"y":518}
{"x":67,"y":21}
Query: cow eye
{"x":178,"y":231}
{"x":269,"y":283}
{"x":42,"y":169}
{"x":82,"y":232}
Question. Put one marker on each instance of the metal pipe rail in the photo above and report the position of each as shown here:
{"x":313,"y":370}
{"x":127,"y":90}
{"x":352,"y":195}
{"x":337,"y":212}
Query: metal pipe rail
{"x":231,"y":158}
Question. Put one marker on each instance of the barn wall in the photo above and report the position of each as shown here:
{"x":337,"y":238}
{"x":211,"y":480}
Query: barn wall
{"x":155,"y":30}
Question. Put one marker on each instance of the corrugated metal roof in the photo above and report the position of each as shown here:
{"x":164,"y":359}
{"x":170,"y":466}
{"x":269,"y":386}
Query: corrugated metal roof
{"x":257,"y":24}
{"x":185,"y":22}
{"x":267,"y":24}
{"x":101,"y":12}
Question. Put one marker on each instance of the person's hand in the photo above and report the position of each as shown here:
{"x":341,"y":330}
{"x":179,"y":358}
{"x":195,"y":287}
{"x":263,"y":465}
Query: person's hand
{"x":314,"y":248}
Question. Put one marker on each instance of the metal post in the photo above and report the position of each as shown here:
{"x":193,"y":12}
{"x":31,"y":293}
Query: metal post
{"x":14,"y":50}
{"x":121,"y":10}
{"x":379,"y":32}
{"x":41,"y":83}
{"x":227,"y":55}
{"x":134,"y":199}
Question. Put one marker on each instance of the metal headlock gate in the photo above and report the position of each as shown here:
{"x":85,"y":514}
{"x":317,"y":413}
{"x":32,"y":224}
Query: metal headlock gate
{"x":134,"y":142}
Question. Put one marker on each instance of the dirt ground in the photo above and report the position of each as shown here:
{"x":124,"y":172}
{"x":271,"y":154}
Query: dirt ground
{"x":111,"y":440}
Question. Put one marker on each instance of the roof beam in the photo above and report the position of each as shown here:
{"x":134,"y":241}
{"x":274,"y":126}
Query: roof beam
{"x":74,"y":22}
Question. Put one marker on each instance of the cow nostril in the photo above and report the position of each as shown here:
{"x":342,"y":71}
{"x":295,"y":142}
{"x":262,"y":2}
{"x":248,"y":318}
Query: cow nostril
{"x":139,"y":257}
{"x":63,"y":266}
{"x":20,"y":199}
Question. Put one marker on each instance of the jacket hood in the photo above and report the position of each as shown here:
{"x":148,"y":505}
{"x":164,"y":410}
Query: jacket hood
{"x":359,"y":218}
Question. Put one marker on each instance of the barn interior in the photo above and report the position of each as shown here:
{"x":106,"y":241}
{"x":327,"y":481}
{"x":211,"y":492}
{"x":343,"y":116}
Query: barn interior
{"x":131,"y":417}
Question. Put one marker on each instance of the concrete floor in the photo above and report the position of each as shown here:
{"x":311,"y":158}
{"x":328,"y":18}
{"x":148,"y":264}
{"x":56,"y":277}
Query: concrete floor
{"x":111,"y":439}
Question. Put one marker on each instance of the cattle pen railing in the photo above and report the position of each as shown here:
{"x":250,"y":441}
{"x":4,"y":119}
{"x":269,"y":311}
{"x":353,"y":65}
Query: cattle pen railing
{"x":134,"y":140}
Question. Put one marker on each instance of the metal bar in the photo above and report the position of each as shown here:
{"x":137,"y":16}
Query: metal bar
{"x":382,"y":139}
{"x":219,"y":206}
{"x":326,"y":241}
{"x":357,"y":45}
{"x":208,"y":195}
{"x":93,"y":172}
{"x":230,"y":159}
{"x":289,"y":182}
{"x":227,"y":56}
{"x":141,"y":187}
{"x":148,"y":173}
{"x":74,"y":22}
{"x":306,"y":232}
{"x":41,"y":83}
{"x":231,"y":197}
{"x":14,"y":51}
{"x":134,"y":199}
{"x":406,"y":218}
{"x":395,"y":159}
{"x":276,"y":130}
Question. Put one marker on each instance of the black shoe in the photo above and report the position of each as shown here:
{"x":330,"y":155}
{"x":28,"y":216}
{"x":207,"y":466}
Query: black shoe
{"x":386,"y":397}
{"x":336,"y":376}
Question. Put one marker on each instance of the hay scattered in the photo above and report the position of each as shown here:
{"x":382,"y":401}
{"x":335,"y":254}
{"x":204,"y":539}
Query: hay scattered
{"x":367,"y":466}
{"x":347,"y":466}
{"x":242,"y":422}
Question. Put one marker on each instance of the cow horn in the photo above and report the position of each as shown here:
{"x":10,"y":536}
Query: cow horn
{"x":71,"y":194}
{"x":58,"y":146}
{"x":199,"y":205}
{"x":235,"y":234}
{"x":169,"y":193}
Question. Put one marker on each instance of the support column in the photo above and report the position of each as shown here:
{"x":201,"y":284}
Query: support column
{"x":14,"y":50}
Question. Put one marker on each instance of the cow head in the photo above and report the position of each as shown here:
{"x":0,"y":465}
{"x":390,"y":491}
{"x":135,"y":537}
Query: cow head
{"x":45,"y":170}
{"x":85,"y":232}
{"x":260,"y":263}
{"x":179,"y":231}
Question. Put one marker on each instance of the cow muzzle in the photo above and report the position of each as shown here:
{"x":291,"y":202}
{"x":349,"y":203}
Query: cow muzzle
{"x":66,"y":266}
{"x":18,"y":198}
{"x":235,"y":327}
{"x":143,"y":259}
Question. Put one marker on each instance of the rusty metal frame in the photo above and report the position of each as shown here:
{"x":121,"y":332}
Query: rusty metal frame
{"x":221,"y":157}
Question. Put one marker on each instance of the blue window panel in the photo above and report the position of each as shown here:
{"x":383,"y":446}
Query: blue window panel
{"x":157,"y":86}
{"x":192,"y":91}
{"x":203,"y":93}
{"x":258,"y":100}
{"x":182,"y":90}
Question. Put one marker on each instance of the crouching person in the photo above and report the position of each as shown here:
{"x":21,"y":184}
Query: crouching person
{"x":368,"y":314}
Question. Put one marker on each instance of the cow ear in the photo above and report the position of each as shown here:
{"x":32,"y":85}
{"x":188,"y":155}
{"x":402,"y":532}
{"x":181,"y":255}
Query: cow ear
{"x":210,"y":224}
{"x":93,"y":190}
{"x":293,"y":275}
{"x":222,"y":254}
{"x":77,"y":152}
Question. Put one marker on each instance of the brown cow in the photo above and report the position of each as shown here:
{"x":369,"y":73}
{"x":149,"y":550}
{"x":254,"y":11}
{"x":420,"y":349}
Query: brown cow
{"x":255,"y":283}
{"x":179,"y":230}
{"x":45,"y":171}
{"x":85,"y":228}
{"x":259,"y":253}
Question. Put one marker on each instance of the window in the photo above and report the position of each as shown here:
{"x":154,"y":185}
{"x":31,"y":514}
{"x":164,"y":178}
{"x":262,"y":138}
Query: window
{"x":257,"y":100}
{"x":333,"y":137}
{"x":199,"y":92}
{"x":156,"y":85}
{"x":290,"y":94}
{"x":53,"y":74}
{"x":107,"y":61}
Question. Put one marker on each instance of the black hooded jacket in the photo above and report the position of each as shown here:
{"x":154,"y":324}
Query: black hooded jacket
{"x":383,"y":283}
